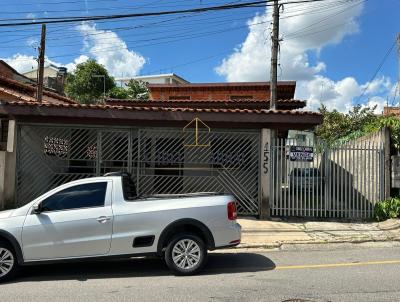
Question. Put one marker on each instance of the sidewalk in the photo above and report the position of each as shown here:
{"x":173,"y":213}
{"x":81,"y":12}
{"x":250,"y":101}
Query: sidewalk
{"x":274,"y":233}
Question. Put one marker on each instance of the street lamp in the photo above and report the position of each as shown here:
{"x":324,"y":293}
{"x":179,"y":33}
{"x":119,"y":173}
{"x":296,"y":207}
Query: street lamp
{"x":104,"y":83}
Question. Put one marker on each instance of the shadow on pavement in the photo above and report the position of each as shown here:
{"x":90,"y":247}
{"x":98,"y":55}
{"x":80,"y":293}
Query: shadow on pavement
{"x":218,"y":263}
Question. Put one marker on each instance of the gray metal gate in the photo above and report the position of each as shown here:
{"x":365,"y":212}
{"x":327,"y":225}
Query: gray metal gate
{"x":313,"y":180}
{"x":161,"y":160}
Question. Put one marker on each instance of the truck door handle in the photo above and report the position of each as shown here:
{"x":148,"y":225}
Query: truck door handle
{"x":103,"y":219}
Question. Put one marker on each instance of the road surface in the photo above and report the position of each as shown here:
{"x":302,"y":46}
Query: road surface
{"x":340,"y":274}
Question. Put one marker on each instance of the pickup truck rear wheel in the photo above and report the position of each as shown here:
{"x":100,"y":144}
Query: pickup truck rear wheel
{"x":8,"y":262}
{"x":186,"y":254}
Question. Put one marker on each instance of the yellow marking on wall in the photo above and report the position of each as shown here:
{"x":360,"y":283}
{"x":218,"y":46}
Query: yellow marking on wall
{"x":196,"y":121}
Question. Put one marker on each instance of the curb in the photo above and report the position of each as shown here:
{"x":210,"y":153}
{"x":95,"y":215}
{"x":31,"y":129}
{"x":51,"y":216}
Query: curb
{"x":307,"y":243}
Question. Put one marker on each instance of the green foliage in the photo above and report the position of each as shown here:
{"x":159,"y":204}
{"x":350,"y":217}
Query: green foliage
{"x":387,"y":209}
{"x":336,"y":125}
{"x":391,"y":122}
{"x":119,"y":93}
{"x":138,"y":90}
{"x":85,"y":86}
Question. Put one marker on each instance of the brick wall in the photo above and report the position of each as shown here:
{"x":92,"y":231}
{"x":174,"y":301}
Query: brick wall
{"x":217,"y":92}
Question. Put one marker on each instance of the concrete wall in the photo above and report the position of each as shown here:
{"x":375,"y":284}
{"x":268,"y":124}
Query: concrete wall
{"x":8,"y":168}
{"x":358,"y":170}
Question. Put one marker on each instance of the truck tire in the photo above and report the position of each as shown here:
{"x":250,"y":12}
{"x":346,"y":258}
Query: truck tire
{"x":8,"y":262}
{"x":186,"y":254}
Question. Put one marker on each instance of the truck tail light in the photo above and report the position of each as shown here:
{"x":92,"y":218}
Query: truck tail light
{"x":232,"y":213}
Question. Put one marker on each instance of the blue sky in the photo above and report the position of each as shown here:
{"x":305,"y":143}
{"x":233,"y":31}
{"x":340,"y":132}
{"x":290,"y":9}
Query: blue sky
{"x":332,"y":48}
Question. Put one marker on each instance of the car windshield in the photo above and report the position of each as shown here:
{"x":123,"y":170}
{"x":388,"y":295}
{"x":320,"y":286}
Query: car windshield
{"x":306,"y":172}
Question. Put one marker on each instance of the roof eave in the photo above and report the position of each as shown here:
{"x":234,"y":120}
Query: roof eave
{"x":279,"y":119}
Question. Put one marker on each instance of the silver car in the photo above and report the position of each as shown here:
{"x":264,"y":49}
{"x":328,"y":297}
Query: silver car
{"x":104,"y":217}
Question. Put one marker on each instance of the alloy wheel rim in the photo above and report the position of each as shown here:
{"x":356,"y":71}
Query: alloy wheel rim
{"x":6,"y":261}
{"x":186,"y":254}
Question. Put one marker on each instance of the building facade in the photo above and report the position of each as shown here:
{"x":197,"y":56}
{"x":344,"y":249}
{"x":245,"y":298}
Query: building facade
{"x":168,"y":146}
{"x":168,"y":78}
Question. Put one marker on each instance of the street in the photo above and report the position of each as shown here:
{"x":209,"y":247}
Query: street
{"x":324,"y":274}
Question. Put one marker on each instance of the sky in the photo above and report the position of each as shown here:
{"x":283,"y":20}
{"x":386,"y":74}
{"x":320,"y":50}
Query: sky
{"x":341,"y":52}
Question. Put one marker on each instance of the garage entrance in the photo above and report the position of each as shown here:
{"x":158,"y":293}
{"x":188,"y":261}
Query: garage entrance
{"x":161,"y":160}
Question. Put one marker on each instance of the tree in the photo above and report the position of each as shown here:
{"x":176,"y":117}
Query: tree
{"x":337,"y":126}
{"x":119,"y":93}
{"x":138,"y":90}
{"x":85,"y":85}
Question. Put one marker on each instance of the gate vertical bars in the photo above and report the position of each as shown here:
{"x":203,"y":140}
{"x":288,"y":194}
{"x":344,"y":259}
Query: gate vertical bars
{"x":343,"y":181}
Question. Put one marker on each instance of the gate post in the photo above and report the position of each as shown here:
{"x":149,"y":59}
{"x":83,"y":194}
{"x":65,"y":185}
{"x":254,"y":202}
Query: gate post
{"x":265,"y":173}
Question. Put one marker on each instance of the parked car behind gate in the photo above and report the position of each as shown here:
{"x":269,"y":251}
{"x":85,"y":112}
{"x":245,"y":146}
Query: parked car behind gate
{"x":104,"y":216}
{"x":306,"y":179}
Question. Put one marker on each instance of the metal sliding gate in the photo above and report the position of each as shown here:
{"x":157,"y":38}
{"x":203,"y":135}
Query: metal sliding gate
{"x":161,"y":160}
{"x":316,"y":181}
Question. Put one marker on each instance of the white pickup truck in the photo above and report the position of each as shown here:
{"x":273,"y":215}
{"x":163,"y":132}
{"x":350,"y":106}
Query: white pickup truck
{"x":104,"y":217}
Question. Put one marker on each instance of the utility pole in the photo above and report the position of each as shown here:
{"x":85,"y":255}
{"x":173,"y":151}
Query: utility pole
{"x":42,"y":49}
{"x":274,"y":56}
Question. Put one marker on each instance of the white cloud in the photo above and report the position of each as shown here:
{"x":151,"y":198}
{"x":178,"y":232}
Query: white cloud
{"x":111,"y":51}
{"x":304,"y":32}
{"x":72,"y":66}
{"x":21,"y":63}
{"x":342,"y":95}
{"x":105,"y":46}
{"x":24,"y":63}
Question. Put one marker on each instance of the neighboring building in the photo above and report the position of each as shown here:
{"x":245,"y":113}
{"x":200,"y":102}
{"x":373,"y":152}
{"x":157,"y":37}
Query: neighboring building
{"x":168,"y":146}
{"x":9,"y":72}
{"x":53,"y":77}
{"x":257,"y":91}
{"x":301,"y":138}
{"x":391,"y":111}
{"x":168,"y":78}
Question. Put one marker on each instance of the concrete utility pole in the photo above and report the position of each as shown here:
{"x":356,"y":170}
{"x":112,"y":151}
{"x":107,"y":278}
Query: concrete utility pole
{"x":42,"y":49}
{"x":274,"y":56}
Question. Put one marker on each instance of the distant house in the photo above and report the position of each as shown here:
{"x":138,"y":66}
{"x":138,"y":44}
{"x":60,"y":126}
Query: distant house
{"x":53,"y":76}
{"x":168,"y":78}
{"x":391,"y":111}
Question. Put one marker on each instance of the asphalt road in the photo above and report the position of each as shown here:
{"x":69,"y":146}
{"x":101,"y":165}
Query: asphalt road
{"x":344,"y":274}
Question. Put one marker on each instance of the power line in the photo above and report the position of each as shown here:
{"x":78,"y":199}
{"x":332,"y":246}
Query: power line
{"x":389,"y":51}
{"x":69,"y":19}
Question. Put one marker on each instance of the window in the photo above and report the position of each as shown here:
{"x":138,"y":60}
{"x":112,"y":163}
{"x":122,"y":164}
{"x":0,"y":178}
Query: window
{"x":301,"y":137}
{"x":179,"y":98}
{"x":76,"y":197}
{"x":241,"y":97}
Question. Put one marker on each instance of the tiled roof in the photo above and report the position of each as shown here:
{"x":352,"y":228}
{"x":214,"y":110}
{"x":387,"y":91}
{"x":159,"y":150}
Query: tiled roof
{"x":160,"y":109}
{"x":288,"y":101}
{"x":230,"y":84}
{"x":18,"y":90}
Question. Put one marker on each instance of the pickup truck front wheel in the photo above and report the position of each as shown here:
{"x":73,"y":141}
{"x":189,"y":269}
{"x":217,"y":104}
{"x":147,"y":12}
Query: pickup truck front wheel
{"x":186,"y":254}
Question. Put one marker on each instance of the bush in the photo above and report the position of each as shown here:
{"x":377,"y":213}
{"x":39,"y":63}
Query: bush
{"x":387,"y":209}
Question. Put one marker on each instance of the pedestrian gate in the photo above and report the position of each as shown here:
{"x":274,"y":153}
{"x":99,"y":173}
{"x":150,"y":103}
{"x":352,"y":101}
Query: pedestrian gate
{"x":161,"y":160}
{"x":319,"y":181}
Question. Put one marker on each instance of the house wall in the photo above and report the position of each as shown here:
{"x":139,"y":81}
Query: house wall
{"x":48,"y":72}
{"x":8,"y":169}
{"x":223,"y":93}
